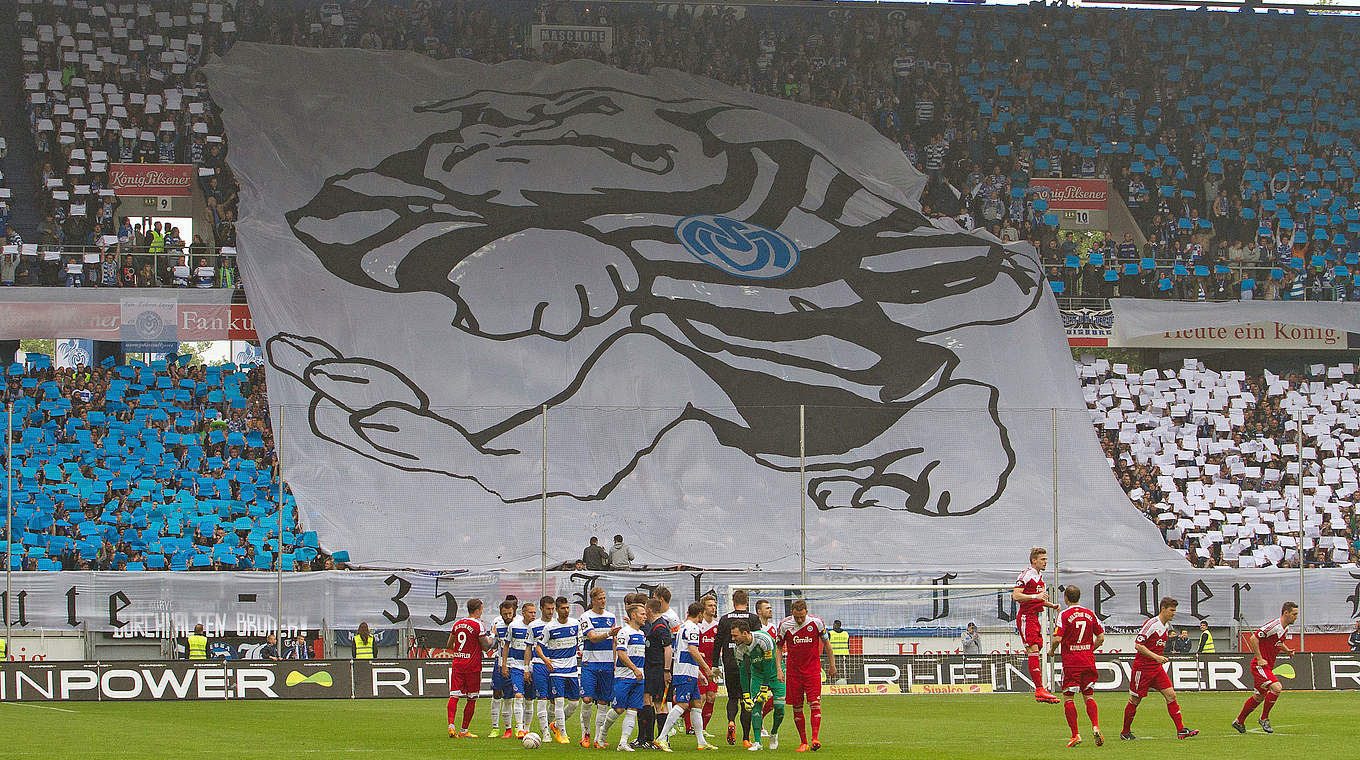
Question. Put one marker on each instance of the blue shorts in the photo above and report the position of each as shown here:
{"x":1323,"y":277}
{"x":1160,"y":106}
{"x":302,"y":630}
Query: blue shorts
{"x":499,"y":682}
{"x":541,"y":689}
{"x":516,"y":681}
{"x":686,"y":689}
{"x":597,"y":682}
{"x":627,"y":694}
{"x":567,"y":687}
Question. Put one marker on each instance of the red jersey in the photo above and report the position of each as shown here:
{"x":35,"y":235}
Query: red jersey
{"x":708,"y":636}
{"x":1077,"y":629}
{"x":1269,"y":638}
{"x":1153,"y":636}
{"x":1031,"y":582}
{"x":467,"y":644}
{"x":802,"y":646}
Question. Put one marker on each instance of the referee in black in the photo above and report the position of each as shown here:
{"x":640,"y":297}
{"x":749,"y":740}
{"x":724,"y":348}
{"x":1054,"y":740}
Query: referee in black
{"x":724,"y":647}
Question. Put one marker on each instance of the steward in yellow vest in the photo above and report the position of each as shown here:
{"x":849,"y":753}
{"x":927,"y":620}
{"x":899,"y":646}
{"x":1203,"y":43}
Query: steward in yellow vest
{"x":198,"y":644}
{"x":363,"y":643}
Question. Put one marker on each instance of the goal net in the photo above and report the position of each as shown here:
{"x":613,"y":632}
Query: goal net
{"x":915,"y":639}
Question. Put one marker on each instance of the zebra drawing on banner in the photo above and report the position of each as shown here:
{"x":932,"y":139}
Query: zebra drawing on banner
{"x":752,"y":273}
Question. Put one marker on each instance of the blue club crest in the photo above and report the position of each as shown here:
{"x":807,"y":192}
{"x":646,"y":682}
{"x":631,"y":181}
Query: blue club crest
{"x":738,"y":248}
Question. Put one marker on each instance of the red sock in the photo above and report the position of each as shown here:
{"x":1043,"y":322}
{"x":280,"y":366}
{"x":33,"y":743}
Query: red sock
{"x":1070,"y":708}
{"x":1270,"y":702}
{"x":799,"y":721}
{"x":708,"y":712}
{"x":1130,"y":710}
{"x":767,"y":707}
{"x":688,"y":724}
{"x":816,"y":709}
{"x":1034,"y":673}
{"x":453,"y":711}
{"x":1174,"y":710}
{"x":1247,"y":707}
{"x":1092,"y":711}
{"x":468,"y":710}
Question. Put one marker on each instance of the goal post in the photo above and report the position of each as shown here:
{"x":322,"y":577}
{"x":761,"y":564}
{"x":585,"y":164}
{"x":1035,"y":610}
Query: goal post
{"x":910,"y":638}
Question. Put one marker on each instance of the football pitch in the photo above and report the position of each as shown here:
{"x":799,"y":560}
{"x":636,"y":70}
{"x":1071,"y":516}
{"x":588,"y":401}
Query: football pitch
{"x":973,"y":727}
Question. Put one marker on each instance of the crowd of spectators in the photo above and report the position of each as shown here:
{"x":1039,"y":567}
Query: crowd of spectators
{"x":1233,"y":152}
{"x":115,"y":83}
{"x":148,"y":467}
{"x":1231,"y":466}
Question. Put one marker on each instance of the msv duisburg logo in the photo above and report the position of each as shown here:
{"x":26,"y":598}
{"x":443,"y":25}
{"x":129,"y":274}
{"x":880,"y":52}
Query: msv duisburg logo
{"x":738,"y":248}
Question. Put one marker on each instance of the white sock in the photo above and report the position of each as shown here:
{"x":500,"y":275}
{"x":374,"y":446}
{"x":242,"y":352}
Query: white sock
{"x":626,"y":733}
{"x":519,"y":713}
{"x":560,"y":711}
{"x":671,"y":718}
{"x":583,"y":716}
{"x":609,"y":718}
{"x":696,"y":719}
{"x":507,"y":708}
{"x":542,"y":706}
{"x":495,"y":713}
{"x":571,"y":707}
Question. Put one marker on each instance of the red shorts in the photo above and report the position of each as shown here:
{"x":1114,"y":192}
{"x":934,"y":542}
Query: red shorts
{"x":1081,"y":678}
{"x":799,"y":687}
{"x":1031,"y":632}
{"x":1142,"y":681}
{"x":1263,"y":675}
{"x":465,"y":683}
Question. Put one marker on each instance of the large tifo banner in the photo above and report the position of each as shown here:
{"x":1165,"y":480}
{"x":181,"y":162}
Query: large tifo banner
{"x":672,"y":269}
{"x":426,"y":678}
{"x":169,"y":605}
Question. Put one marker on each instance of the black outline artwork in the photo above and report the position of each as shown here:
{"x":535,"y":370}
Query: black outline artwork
{"x":853,"y":459}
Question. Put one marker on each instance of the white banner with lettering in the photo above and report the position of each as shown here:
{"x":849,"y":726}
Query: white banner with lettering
{"x":165,"y":604}
{"x":1296,"y":325}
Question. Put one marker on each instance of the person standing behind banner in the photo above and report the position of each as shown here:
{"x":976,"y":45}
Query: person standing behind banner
{"x":298,"y":649}
{"x":198,"y":644}
{"x":970,"y":642}
{"x":1206,"y":639}
{"x":363,"y":643}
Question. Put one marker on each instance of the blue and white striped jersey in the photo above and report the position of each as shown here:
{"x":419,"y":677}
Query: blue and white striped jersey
{"x":535,"y":635}
{"x":561,"y":642}
{"x":633,"y":643}
{"x":686,"y":665}
{"x":598,"y":654}
{"x":518,"y":637}
{"x":499,"y":629}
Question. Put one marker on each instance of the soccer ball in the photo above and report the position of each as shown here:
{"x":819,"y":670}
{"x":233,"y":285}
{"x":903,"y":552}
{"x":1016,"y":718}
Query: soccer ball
{"x":532,"y":741}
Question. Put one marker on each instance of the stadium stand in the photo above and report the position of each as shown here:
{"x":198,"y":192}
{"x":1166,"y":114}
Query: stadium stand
{"x":1237,"y":163}
{"x":1215,"y":459}
{"x":148,"y":467}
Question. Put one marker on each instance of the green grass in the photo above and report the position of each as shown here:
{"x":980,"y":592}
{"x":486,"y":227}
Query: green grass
{"x":972,"y":727}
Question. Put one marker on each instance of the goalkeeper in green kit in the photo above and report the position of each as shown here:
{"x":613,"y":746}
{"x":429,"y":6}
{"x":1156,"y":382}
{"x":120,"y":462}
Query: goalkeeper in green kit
{"x":762,"y":675}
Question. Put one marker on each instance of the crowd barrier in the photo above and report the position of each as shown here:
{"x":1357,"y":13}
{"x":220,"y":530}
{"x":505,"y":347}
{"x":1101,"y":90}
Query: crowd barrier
{"x":106,"y":681}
